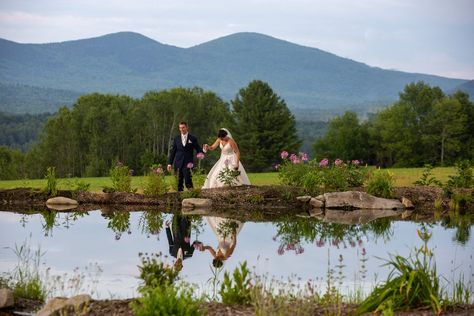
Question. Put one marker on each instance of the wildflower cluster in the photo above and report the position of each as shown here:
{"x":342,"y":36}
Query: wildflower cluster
{"x":322,"y":176}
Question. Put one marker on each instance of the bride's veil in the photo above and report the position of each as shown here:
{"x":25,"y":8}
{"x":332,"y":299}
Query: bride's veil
{"x":228,"y":133}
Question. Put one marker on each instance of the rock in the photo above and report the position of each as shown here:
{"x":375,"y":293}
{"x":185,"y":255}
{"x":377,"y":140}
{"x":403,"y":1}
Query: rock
{"x":196,"y":203}
{"x":359,"y":216}
{"x":59,"y":207}
{"x":406,"y":214}
{"x":76,"y":305}
{"x":6,"y":298}
{"x":320,"y":197}
{"x":60,"y":200}
{"x":304,"y":198}
{"x":407,"y":203}
{"x":359,"y":200}
{"x":316,"y":203}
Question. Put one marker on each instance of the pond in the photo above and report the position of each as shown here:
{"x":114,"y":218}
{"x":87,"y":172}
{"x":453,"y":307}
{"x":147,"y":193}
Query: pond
{"x":97,"y":252}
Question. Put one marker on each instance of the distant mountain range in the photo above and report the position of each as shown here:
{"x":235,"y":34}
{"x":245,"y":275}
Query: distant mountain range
{"x":130,"y":63}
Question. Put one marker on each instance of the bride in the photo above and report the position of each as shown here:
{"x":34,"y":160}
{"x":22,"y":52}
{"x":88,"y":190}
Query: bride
{"x":230,"y":158}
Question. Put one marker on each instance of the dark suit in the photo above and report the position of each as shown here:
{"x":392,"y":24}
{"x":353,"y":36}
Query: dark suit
{"x":180,"y":156}
{"x":181,"y":228}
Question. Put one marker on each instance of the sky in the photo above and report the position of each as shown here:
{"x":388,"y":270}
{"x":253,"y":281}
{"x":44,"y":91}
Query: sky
{"x":424,"y":36}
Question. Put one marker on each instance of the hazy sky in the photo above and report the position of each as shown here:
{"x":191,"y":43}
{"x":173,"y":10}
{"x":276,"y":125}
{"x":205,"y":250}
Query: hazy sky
{"x":426,"y":36}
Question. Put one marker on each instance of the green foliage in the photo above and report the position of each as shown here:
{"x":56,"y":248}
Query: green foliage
{"x":155,"y":181}
{"x":51,"y":182}
{"x":262,"y":125}
{"x":25,"y":280}
{"x":463,"y":178}
{"x":81,"y":186}
{"x":121,"y":178}
{"x":236,"y":290}
{"x":155,"y":273}
{"x":11,"y":163}
{"x":380,"y":183}
{"x":427,"y":178}
{"x":167,"y":300}
{"x":423,"y":127}
{"x":321,"y":176}
{"x":412,"y":283}
{"x":119,"y":222}
{"x":228,"y":176}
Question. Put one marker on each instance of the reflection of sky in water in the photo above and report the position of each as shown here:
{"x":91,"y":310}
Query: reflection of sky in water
{"x":88,"y":240}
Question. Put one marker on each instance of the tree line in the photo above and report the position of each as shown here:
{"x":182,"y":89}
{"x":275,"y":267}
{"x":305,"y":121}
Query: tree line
{"x":101,"y":129}
{"x":425,"y":126}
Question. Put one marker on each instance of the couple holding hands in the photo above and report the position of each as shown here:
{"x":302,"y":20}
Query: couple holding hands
{"x":182,"y":156}
{"x":182,"y":159}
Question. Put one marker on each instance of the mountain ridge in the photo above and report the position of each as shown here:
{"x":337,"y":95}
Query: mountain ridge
{"x":131,"y":63}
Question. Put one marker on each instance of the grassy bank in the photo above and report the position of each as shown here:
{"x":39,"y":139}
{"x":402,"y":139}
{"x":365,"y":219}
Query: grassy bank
{"x":403,"y":177}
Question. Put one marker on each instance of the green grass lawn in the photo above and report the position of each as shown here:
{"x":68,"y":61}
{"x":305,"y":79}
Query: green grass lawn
{"x":403,"y":177}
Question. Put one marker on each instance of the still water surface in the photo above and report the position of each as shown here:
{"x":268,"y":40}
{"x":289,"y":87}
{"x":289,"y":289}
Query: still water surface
{"x":104,"y":247}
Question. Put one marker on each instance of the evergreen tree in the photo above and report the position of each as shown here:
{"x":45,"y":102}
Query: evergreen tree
{"x":262,"y":126}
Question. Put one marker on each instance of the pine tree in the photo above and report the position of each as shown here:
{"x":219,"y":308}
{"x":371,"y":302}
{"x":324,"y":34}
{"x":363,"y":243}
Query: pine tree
{"x":262,"y":126}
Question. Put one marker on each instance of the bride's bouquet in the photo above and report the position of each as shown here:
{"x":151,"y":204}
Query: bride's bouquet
{"x":227,"y":175}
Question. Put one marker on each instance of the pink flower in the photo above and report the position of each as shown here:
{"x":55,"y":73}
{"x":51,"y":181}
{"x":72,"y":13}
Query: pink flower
{"x":190,"y":165}
{"x":200,"y":156}
{"x":338,"y":162}
{"x":364,"y":252}
{"x":296,"y":160}
{"x":356,"y":162}
{"x":320,"y":243}
{"x":281,"y":250}
{"x":290,"y":246}
{"x":284,"y":154}
{"x":324,"y":163}
{"x":299,"y":250}
{"x":159,"y":170}
{"x":276,"y":166}
{"x":304,"y":156}
{"x":293,"y":157}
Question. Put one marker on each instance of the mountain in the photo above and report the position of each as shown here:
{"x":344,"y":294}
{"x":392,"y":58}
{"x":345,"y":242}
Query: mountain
{"x":130,"y":63}
{"x":467,"y":87}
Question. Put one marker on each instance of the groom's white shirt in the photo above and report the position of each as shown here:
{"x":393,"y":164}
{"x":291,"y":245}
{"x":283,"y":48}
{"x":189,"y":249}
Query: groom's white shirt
{"x":184,"y":137}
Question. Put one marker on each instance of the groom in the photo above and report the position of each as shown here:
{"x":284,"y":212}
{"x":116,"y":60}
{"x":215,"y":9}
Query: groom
{"x":181,"y":156}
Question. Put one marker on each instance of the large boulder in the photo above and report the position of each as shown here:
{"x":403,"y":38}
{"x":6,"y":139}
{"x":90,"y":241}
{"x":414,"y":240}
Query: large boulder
{"x":6,"y":298}
{"x":361,"y":216}
{"x":60,"y":200}
{"x":76,"y":305}
{"x":359,"y":200}
{"x":193,"y":203}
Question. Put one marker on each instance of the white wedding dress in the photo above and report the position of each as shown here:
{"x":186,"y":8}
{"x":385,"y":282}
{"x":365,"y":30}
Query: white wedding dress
{"x":227,"y":153}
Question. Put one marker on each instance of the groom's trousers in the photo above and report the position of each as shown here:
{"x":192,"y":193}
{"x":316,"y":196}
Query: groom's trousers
{"x":184,"y":177}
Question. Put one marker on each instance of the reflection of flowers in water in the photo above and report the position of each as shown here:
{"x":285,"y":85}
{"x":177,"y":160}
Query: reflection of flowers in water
{"x":297,"y":248}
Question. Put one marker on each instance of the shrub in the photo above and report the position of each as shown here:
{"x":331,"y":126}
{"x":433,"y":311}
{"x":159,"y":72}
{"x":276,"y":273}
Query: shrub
{"x":412,"y":283}
{"x":427,"y":178}
{"x":236,"y":290}
{"x":315,"y":176}
{"x":167,"y":300}
{"x":121,"y":178}
{"x":380,"y":183}
{"x":155,"y":273}
{"x":51,"y":182}
{"x":155,"y":181}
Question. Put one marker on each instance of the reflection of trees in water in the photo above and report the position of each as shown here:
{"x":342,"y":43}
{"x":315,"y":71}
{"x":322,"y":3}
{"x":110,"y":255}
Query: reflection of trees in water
{"x":151,"y":222}
{"x":227,"y":228}
{"x":119,"y":222}
{"x":53,"y":218}
{"x":291,"y":233}
{"x":461,"y":223}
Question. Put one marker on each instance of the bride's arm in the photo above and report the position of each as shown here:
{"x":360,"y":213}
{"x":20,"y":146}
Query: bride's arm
{"x":236,"y":150}
{"x":214,"y":146}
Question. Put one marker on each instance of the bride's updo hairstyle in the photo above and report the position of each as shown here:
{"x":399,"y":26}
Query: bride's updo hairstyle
{"x":221,"y":133}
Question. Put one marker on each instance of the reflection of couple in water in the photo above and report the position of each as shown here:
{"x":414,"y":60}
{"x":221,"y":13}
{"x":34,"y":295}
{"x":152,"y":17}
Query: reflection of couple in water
{"x":179,"y":239}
